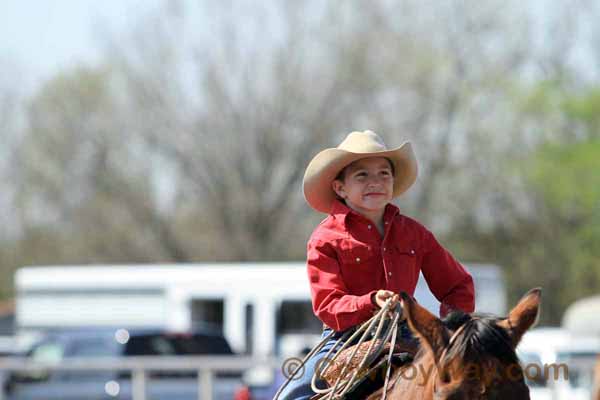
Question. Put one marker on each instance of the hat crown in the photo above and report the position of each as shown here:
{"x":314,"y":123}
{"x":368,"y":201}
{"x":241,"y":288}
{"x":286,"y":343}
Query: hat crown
{"x":363,"y":142}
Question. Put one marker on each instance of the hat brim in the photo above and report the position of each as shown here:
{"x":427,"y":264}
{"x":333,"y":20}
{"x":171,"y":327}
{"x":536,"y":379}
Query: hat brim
{"x":326,"y":165}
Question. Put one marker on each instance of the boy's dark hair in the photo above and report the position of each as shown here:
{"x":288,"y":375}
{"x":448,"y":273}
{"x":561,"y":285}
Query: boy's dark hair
{"x":342,"y":174}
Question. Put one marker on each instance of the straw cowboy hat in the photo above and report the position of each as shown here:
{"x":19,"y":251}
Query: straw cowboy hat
{"x":326,"y":165}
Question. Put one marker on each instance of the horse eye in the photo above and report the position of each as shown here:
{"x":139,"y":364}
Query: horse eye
{"x":445,"y":377}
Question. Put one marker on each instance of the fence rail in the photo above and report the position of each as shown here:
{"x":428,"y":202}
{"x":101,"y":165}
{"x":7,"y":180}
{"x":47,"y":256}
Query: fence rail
{"x":139,"y":366}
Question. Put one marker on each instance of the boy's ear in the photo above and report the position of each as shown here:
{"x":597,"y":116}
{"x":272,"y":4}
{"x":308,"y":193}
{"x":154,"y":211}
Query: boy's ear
{"x":425,"y":325}
{"x":523,"y":316}
{"x":338,"y":187}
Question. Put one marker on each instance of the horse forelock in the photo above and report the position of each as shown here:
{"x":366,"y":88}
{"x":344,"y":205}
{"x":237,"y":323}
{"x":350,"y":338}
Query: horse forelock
{"x":481,"y":339}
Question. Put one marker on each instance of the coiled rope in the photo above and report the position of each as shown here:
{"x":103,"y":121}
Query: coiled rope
{"x":342,"y":386}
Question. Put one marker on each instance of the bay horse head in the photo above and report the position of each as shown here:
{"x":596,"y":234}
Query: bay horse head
{"x":470,"y":356}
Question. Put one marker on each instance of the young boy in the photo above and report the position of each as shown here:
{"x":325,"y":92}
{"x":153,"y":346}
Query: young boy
{"x":365,"y":251}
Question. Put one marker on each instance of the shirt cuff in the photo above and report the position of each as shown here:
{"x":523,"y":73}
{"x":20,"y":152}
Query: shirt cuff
{"x":364,"y":302}
{"x":445,"y":309}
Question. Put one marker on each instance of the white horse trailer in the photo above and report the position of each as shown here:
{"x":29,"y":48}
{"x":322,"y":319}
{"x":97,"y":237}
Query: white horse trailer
{"x":261,"y":308}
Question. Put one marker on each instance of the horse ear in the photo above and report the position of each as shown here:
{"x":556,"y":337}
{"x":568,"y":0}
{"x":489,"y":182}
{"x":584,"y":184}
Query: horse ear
{"x":523,"y":316}
{"x":425,"y":325}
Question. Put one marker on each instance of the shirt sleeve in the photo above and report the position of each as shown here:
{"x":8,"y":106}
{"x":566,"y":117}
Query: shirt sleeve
{"x":447,"y":279}
{"x":331,"y":300}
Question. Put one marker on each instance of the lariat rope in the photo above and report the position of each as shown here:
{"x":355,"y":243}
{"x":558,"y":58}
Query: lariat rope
{"x":338,"y":391}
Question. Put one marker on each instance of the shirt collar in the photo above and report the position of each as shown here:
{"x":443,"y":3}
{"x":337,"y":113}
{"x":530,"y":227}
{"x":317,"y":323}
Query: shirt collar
{"x":341,"y":211}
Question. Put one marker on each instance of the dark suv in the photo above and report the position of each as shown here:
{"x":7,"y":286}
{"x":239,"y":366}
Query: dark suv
{"x":71,"y":385}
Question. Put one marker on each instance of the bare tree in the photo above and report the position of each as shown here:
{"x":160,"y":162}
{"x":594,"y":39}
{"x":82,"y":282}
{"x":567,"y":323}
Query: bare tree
{"x":251,"y":109}
{"x":84,"y":178}
{"x":240,"y":149}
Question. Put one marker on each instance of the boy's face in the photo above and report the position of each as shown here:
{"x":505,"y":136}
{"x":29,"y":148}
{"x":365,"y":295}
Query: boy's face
{"x":368,"y":184}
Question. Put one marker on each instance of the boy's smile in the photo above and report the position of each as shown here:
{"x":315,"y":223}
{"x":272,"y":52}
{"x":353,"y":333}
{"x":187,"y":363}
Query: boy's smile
{"x":367,"y":186}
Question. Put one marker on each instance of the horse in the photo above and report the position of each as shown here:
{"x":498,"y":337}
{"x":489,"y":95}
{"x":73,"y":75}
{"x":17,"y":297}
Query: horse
{"x":467,"y":356}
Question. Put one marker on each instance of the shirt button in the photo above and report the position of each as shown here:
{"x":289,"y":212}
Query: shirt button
{"x":386,"y":222}
{"x":357,"y":259}
{"x":389,"y":273}
{"x":412,"y":251}
{"x":369,"y":226}
{"x":384,"y":249}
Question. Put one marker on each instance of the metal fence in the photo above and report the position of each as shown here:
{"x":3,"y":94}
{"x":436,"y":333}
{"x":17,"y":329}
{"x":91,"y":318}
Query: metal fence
{"x":205,"y":366}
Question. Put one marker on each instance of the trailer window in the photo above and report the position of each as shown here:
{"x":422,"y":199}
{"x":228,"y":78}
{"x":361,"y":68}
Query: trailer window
{"x":296,"y":316}
{"x":207,"y":314}
{"x":249,"y":322}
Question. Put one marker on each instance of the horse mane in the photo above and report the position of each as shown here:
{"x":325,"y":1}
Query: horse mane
{"x":481,"y":338}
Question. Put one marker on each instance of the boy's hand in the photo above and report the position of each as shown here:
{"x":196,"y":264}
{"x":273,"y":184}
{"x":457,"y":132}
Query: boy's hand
{"x":382,"y":295}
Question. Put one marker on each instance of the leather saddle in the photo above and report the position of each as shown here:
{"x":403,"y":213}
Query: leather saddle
{"x":367,"y":383}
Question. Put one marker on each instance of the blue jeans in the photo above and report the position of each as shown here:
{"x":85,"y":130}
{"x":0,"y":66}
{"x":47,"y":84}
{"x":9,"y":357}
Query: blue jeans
{"x":299,"y":388}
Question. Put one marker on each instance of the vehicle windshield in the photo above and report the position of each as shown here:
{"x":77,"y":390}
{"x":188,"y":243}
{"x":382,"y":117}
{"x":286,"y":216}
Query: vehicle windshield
{"x":47,"y":352}
{"x":580,"y":367}
{"x":177,"y":344}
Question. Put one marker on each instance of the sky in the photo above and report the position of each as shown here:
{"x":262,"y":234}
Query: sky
{"x":40,"y":37}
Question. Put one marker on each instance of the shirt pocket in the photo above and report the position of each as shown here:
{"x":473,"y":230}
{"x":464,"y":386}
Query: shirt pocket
{"x":356,"y":253}
{"x":357,"y":263}
{"x":405,"y":260}
{"x":402,"y":268}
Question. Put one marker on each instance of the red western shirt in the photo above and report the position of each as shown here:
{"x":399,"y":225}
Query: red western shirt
{"x":348,"y":260}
